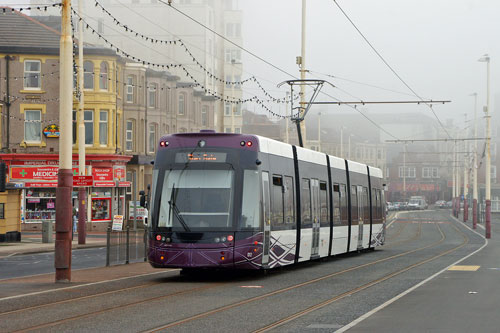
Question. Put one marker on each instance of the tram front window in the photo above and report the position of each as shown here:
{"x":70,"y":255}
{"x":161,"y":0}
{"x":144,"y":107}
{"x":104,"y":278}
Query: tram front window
{"x":194,"y":199}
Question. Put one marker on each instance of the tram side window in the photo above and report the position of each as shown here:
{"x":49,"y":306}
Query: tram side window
{"x":289,"y":201}
{"x":375,"y":204}
{"x":343,"y":202}
{"x":366,"y":203}
{"x":250,"y":210}
{"x":306,"y":202}
{"x":379,"y":204}
{"x":354,"y":203}
{"x":336,"y":204}
{"x":277,"y":209}
{"x":323,"y":200}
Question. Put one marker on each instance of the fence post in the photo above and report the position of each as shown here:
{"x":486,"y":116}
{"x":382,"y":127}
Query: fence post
{"x":127,"y":252}
{"x":145,"y":238}
{"x":108,"y":245}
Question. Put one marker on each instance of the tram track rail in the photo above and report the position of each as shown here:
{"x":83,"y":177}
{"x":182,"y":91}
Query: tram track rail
{"x":358,"y":289}
{"x":233,"y":305}
{"x":306,"y":283}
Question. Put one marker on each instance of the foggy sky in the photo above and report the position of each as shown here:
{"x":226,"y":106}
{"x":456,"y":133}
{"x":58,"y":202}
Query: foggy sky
{"x":433,"y":45}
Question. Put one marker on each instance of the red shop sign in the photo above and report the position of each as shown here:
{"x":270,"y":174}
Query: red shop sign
{"x":40,"y":185}
{"x":104,"y":184}
{"x":35,"y":173}
{"x":102,"y":174}
{"x":79,"y":181}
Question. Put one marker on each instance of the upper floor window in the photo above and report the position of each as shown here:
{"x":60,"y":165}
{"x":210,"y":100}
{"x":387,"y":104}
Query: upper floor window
{"x":88,"y":75}
{"x":204,"y":115}
{"x":152,"y":138}
{"x":408,"y":172}
{"x":103,"y":76}
{"x":32,"y":72}
{"x":227,"y":109}
{"x":33,"y":126}
{"x":430,"y":172}
{"x":182,"y":103}
{"x":129,"y":135}
{"x":103,"y":127}
{"x":88,"y":120}
{"x":152,"y":95}
{"x":130,"y":88}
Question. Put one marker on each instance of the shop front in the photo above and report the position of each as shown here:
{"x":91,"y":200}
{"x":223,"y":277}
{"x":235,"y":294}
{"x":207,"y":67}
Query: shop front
{"x":36,"y":178}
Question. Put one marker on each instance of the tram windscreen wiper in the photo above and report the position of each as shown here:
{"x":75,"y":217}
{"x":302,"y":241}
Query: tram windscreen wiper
{"x":175,"y":209}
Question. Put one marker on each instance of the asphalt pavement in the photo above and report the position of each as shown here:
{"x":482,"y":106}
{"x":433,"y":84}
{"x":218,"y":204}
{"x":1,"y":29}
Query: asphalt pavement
{"x":463,"y":297}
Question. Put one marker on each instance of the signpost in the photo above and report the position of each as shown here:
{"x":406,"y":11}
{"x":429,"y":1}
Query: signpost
{"x":80,"y":181}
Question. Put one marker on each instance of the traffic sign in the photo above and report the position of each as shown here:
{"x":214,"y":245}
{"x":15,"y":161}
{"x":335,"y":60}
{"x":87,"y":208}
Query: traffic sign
{"x":80,"y":181}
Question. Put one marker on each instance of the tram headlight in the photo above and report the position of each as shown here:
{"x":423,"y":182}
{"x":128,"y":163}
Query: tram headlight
{"x":217,"y":239}
{"x":202,"y":143}
{"x":223,"y":239}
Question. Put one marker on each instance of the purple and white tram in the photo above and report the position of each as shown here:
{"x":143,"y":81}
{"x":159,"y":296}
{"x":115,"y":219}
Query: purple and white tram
{"x":241,"y":201}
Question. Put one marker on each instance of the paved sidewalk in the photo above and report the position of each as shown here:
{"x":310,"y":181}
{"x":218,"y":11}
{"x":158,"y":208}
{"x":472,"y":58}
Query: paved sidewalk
{"x":31,"y":242}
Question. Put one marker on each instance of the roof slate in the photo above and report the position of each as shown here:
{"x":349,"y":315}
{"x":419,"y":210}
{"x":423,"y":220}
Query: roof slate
{"x":19,"y":32}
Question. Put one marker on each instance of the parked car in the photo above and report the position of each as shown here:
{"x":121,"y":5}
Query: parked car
{"x":449,"y":204}
{"x":440,"y":204}
{"x":389,"y":206}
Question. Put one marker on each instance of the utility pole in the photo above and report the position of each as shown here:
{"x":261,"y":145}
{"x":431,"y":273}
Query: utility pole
{"x":474,"y":167}
{"x":62,"y":257}
{"x":232,"y":95}
{"x":287,"y":136}
{"x":404,"y":174}
{"x":319,"y":131}
{"x":302,"y":65}
{"x":82,"y":192}
{"x":466,"y":182}
{"x":454,"y":190}
{"x":341,"y":142}
{"x":487,"y":226}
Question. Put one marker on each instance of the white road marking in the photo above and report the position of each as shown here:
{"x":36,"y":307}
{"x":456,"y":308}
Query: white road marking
{"x":406,"y":292}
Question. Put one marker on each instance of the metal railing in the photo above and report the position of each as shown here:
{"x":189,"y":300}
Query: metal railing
{"x":123,"y":247}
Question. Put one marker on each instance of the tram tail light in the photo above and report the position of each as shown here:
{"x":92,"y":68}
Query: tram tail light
{"x":158,"y":237}
{"x":230,"y":238}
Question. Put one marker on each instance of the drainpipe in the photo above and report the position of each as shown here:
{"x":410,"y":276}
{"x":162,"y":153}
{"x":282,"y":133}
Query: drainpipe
{"x":8,"y":58}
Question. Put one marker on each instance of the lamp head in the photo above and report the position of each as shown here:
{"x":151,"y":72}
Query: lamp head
{"x":484,"y":58}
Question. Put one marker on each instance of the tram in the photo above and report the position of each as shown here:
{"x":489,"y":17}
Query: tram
{"x":239,"y":201}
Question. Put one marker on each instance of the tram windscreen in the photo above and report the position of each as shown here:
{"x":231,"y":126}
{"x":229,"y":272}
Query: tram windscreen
{"x":194,"y":199}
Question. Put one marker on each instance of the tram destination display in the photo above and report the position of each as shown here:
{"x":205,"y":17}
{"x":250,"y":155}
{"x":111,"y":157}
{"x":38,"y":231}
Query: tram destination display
{"x":200,"y":157}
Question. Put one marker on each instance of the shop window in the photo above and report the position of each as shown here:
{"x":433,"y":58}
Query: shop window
{"x":88,"y":75}
{"x":32,"y":75}
{"x":33,"y":126}
{"x":40,"y":205}
{"x":101,"y":205}
{"x":88,"y":119}
{"x":103,"y":127}
{"x":103,"y":76}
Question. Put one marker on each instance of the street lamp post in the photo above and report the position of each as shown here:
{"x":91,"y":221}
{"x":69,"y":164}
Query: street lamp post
{"x":486,"y":59}
{"x":474,"y":167}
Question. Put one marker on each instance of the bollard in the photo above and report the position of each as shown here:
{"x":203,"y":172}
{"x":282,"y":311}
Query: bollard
{"x":108,"y":245}
{"x":127,"y":253}
{"x":47,"y":232}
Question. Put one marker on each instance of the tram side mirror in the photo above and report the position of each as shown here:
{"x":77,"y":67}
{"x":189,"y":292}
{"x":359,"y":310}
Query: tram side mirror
{"x":142,"y":199}
{"x":258,"y":162}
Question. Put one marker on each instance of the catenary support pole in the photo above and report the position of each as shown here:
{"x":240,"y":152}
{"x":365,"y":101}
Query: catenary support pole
{"x":62,"y":257}
{"x":82,"y":192}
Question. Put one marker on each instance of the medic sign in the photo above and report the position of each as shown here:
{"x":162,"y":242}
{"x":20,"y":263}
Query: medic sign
{"x":35,"y":173}
{"x":102,"y":174}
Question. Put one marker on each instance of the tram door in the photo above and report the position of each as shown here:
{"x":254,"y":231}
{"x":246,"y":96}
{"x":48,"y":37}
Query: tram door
{"x":361,"y":211}
{"x":315,"y":217}
{"x":266,"y":206}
